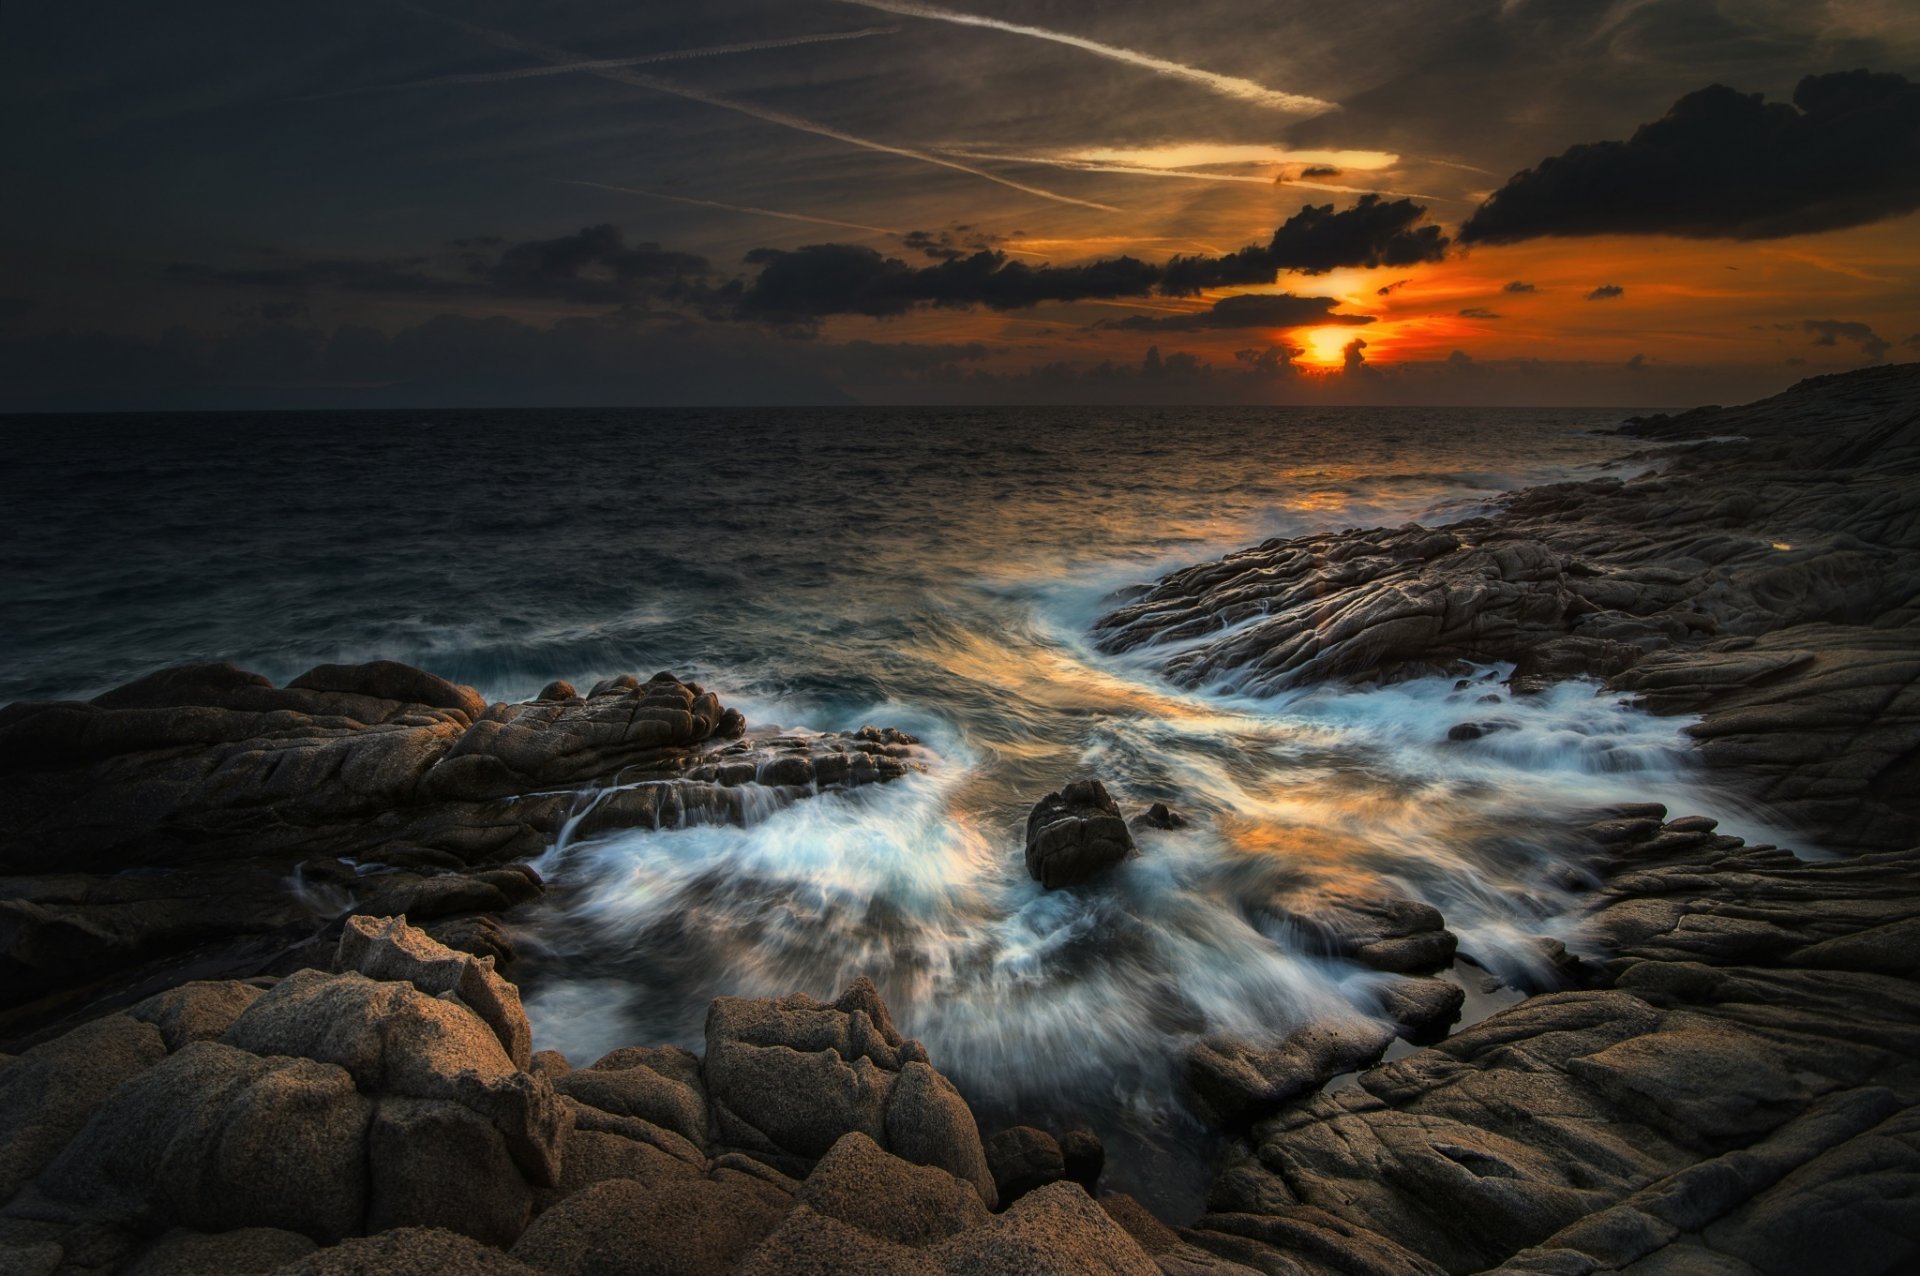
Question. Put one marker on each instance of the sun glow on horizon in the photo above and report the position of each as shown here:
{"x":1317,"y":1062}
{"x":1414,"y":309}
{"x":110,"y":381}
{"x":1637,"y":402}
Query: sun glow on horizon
{"x":1324,"y":347}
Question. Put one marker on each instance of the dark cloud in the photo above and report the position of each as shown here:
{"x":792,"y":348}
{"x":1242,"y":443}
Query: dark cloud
{"x":1520,"y":286}
{"x":1831,"y":332}
{"x":959,"y":240}
{"x":1478,"y":312}
{"x":1319,"y":170}
{"x":1246,"y":310}
{"x":1354,"y":355}
{"x":1374,"y":232}
{"x":400,"y":276}
{"x":804,"y":285}
{"x":1385,"y":290}
{"x":1606,"y":292}
{"x":1727,"y":165}
{"x":1638,"y":363}
{"x":593,"y":265}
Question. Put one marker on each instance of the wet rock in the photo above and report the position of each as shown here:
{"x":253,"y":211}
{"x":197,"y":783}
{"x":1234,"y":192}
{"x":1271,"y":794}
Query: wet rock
{"x":1403,"y":936}
{"x":558,"y":689}
{"x":392,"y":681}
{"x":1075,"y":834}
{"x":1084,"y":1156}
{"x":1024,"y":1158}
{"x":881,"y":1194}
{"x":1158,"y":816}
{"x":1238,"y":1081}
{"x":1423,"y":1008}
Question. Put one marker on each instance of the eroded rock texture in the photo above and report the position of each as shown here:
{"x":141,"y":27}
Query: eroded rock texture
{"x":1766,"y":576}
{"x":259,"y":816}
{"x":384,"y":1116}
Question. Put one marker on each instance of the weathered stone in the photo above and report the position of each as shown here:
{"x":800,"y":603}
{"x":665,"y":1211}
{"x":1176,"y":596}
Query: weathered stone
{"x":672,"y":1224}
{"x":1023,"y":1158}
{"x":389,"y":949}
{"x":433,"y":1163}
{"x":1075,"y":834}
{"x":930,"y":1124}
{"x":200,"y":1011}
{"x":881,"y":1194}
{"x":50,"y":1092}
{"x":409,"y":1251}
{"x":246,"y":1251}
{"x":1055,"y":1229}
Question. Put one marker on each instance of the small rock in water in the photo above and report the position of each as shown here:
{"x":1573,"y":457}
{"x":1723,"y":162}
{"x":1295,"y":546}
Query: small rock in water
{"x":1075,"y":834}
{"x":1085,"y":1156}
{"x":1158,"y":816}
{"x":1024,"y":1159}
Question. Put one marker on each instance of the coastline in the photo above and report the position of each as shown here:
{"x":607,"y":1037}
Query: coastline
{"x":1743,"y":1059}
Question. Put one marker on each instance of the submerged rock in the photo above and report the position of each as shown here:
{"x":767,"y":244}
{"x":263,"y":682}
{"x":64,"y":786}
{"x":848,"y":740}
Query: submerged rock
{"x":1075,"y":834}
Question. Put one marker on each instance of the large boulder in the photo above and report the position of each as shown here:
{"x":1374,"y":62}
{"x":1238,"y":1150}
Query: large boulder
{"x":788,"y":1077}
{"x":50,"y":1092}
{"x":389,"y":949}
{"x":1075,"y":834}
{"x":863,"y":1186}
{"x":690,"y":1225}
{"x":1055,"y":1229}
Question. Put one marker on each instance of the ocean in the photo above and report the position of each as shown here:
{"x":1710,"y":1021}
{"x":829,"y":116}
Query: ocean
{"x":934,"y":570}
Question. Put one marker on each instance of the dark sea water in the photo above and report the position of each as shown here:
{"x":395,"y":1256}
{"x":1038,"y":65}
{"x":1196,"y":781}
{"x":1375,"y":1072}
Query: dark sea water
{"x":927,"y":569}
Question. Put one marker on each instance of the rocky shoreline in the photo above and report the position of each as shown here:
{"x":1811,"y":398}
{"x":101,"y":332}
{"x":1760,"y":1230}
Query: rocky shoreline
{"x":236,"y":1049}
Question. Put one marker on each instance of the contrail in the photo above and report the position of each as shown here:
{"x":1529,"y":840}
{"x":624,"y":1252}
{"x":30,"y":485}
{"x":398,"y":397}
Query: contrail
{"x":1227,"y":85}
{"x":732,"y":208}
{"x":1185,"y":174}
{"x":601,"y":64}
{"x":560,"y":57}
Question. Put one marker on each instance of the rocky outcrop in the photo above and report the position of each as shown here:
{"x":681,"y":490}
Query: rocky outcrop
{"x":385,"y":1116}
{"x":1766,"y":576}
{"x":261,"y":815}
{"x":1075,"y":834}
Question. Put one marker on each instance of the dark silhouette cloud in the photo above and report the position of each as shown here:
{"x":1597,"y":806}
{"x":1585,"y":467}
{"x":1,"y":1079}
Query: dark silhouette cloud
{"x":959,"y":240}
{"x":1386,"y":290}
{"x":1374,"y":232}
{"x":1353,"y":355}
{"x":1606,"y":292}
{"x":1319,"y":170}
{"x":1727,"y":165}
{"x":1478,"y":312}
{"x":1246,"y":310}
{"x":594,"y":265}
{"x":1520,"y":286}
{"x":1831,"y":332}
{"x":806,"y":284}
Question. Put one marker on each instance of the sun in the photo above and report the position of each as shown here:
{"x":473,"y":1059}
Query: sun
{"x":1324,"y":347}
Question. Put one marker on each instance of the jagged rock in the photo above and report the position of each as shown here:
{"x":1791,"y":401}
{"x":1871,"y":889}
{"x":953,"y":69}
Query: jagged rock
{"x":929,"y":1123}
{"x":1158,"y":816}
{"x":1075,"y":834}
{"x":914,"y":1205}
{"x":691,"y":1225}
{"x":1024,"y":1158}
{"x":434,"y":1163}
{"x":245,"y":1251}
{"x":1055,"y":1229}
{"x":50,"y":1092}
{"x":389,"y":949}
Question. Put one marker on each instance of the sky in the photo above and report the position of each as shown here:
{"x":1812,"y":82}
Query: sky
{"x":374,"y":203}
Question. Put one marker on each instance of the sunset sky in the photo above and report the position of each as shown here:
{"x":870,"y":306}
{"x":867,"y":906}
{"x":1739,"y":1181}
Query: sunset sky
{"x":884,"y":201}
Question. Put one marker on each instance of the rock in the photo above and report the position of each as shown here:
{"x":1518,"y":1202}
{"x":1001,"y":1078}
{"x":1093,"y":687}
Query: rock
{"x":435,"y":1163}
{"x":616,"y":1228}
{"x":930,"y":1124}
{"x":1085,"y":1157}
{"x":1158,"y":816}
{"x":391,"y":680}
{"x":388,"y":948}
{"x":1403,"y":936}
{"x":408,"y":1251}
{"x":558,"y":689}
{"x":811,"y":1244}
{"x":214,"y":1138}
{"x":1423,"y":1008}
{"x":48,"y":1094}
{"x":1055,"y":1229}
{"x":199,"y":1011}
{"x":1075,"y":834}
{"x":659,"y":1084}
{"x":393,"y":1038}
{"x":1024,"y":1158}
{"x":246,"y":1251}
{"x":1237,"y":1081}
{"x":913,"y":1205}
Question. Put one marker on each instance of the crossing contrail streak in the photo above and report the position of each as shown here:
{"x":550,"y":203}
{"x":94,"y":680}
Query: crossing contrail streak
{"x":732,"y":208}
{"x":601,"y":64}
{"x":620,"y":75}
{"x":1227,"y":85}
